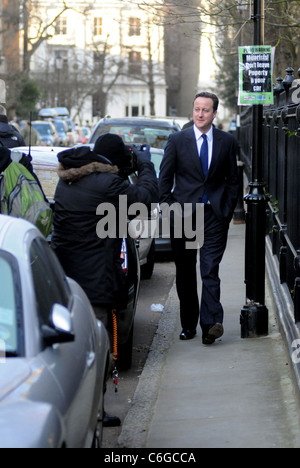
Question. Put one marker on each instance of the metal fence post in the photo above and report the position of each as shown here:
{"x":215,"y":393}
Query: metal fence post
{"x":254,"y":315}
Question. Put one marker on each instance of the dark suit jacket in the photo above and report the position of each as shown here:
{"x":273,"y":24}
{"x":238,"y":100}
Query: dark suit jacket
{"x":181,"y":168}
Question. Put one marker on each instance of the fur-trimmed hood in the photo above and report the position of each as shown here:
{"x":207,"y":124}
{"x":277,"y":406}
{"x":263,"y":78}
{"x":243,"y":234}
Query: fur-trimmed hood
{"x":74,"y":174}
{"x":76,"y":163}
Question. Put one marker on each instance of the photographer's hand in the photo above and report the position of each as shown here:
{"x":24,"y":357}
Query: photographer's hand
{"x":142,"y":155}
{"x":145,"y":190}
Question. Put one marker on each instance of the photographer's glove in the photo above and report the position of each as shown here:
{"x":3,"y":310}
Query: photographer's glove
{"x":142,"y":155}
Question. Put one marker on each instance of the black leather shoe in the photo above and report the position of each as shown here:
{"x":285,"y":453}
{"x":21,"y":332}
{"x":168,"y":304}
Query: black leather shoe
{"x":111,"y":421}
{"x":212,"y":334}
{"x":187,"y":334}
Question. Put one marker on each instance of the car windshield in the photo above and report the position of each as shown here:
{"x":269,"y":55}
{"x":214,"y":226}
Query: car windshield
{"x":9,"y":309}
{"x":43,"y":129}
{"x":60,"y":127}
{"x":156,"y":137}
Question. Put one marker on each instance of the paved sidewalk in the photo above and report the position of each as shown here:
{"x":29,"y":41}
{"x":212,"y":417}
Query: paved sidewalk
{"x":237,"y":393}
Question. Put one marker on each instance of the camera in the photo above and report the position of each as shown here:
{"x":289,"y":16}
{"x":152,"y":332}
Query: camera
{"x":132,"y":155}
{"x":131,"y":160}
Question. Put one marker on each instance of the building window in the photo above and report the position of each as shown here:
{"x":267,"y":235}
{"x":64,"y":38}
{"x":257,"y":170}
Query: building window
{"x":61,"y":26}
{"x":134,"y":27}
{"x":98,"y":23}
{"x":135,"y":62}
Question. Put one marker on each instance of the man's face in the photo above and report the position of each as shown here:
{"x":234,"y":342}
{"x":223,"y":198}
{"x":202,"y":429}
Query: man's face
{"x":204,"y":114}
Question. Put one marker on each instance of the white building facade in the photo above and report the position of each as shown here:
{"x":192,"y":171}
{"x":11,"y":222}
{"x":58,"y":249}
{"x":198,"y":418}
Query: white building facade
{"x":100,"y":58}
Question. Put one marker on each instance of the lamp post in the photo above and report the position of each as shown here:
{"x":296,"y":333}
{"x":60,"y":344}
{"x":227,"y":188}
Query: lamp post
{"x":254,"y":315}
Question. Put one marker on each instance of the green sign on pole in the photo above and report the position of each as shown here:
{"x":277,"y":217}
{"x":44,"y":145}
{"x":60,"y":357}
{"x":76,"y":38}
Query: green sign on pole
{"x":255,"y":75}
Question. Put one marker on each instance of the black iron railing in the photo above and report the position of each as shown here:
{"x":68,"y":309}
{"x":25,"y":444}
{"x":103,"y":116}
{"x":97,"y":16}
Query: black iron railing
{"x":281,"y":173}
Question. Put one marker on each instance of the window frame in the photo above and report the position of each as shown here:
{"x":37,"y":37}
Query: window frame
{"x":48,"y":265}
{"x":61,"y":26}
{"x":98,"y":28}
{"x":135,"y":26}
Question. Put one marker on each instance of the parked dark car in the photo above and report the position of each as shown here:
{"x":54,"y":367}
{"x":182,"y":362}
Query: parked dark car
{"x":135,"y":130}
{"x":125,"y":317}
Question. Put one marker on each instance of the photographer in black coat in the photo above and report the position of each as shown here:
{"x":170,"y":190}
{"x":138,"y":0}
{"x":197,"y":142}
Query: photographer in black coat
{"x":88,"y":179}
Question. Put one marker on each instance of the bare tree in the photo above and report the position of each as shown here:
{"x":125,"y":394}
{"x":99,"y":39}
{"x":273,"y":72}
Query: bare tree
{"x":44,"y":31}
{"x":233,"y":23}
{"x":106,"y":72}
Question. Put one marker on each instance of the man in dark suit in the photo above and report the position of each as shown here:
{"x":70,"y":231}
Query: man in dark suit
{"x":197,"y":169}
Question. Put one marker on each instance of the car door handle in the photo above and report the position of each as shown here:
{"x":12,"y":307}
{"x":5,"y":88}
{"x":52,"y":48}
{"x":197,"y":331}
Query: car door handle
{"x":91,"y":356}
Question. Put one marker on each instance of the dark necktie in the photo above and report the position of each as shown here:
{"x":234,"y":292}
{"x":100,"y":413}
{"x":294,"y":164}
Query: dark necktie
{"x":204,"y":161}
{"x":204,"y":155}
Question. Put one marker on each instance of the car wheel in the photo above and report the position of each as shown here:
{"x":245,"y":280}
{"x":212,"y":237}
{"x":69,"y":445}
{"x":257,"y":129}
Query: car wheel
{"x":147,"y":269}
{"x":125,"y":353}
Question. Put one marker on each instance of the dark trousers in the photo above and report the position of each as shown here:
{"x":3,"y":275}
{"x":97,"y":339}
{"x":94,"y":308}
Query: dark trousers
{"x":211,"y":253}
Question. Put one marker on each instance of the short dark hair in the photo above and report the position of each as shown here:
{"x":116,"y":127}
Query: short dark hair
{"x":212,"y":96}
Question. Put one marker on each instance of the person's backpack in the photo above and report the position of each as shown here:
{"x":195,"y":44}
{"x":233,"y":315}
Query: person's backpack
{"x":22,"y":197}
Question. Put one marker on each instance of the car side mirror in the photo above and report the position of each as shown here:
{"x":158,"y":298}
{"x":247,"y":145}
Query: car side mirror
{"x":60,"y":330}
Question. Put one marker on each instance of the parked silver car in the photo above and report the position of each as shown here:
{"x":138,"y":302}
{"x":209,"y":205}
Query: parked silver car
{"x":47,"y":135}
{"x":61,"y":128}
{"x":54,"y":354}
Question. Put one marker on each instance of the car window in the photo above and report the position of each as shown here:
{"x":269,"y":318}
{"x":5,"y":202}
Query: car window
{"x":10,"y":306}
{"x":50,"y":283}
